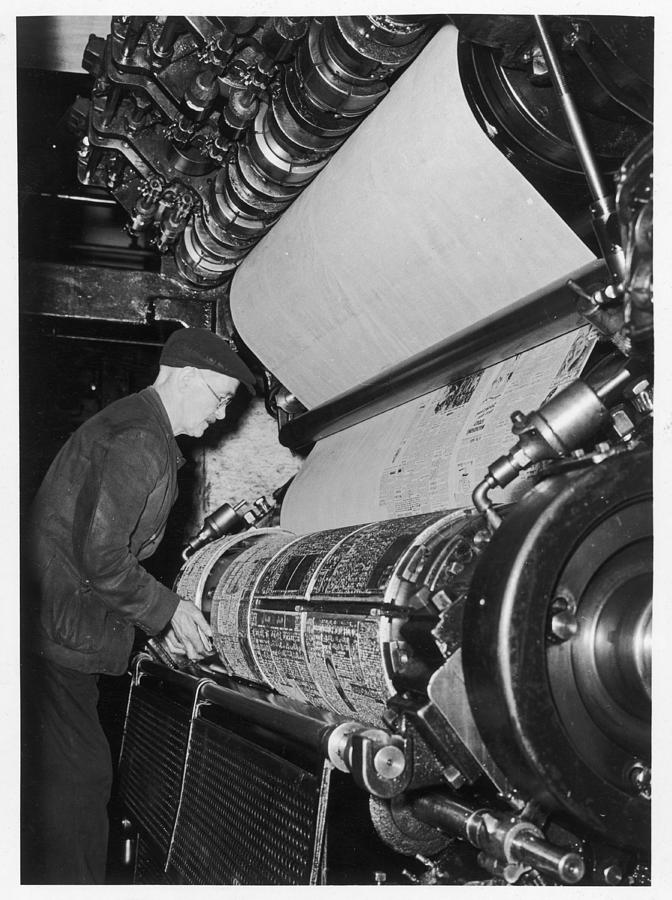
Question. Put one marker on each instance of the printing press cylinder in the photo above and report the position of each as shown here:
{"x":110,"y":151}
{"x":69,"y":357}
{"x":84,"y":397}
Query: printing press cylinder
{"x":340,"y":619}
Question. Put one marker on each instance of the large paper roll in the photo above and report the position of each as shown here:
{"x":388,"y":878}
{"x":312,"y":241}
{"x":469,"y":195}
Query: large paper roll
{"x":417,"y":228}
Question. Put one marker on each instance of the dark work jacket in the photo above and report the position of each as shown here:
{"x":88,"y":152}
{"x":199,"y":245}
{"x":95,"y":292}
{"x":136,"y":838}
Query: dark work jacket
{"x":101,"y":508}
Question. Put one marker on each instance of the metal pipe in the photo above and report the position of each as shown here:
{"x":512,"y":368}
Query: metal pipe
{"x":531,"y":321}
{"x":483,"y":503}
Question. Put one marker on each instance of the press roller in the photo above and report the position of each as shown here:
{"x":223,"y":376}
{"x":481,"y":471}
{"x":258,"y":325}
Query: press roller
{"x":341,"y":618}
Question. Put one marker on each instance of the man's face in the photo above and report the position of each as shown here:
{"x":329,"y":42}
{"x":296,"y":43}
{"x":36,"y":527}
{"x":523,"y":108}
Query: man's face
{"x":206,"y":402}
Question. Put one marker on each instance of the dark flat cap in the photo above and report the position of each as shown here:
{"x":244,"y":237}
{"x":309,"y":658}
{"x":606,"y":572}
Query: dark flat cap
{"x":204,"y":349}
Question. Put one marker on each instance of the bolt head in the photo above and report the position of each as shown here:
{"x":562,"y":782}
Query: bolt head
{"x":613,"y":875}
{"x":638,"y":387}
{"x":622,"y":422}
{"x":640,"y":778}
{"x":389,"y":762}
{"x":564,"y":625}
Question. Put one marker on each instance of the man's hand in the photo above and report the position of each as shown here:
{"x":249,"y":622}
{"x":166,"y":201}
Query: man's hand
{"x":170,"y":640}
{"x":190,"y":630}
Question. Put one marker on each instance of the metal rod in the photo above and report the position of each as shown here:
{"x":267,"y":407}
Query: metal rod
{"x":446,"y":814}
{"x":504,"y":838}
{"x":594,"y":176}
{"x":194,"y":714}
{"x":529,"y":322}
{"x":134,"y":30}
{"x":91,"y":200}
{"x":111,"y":105}
{"x":164,"y":44}
{"x":309,"y":730}
{"x":147,"y":666}
{"x":77,"y":337}
{"x":603,"y":209}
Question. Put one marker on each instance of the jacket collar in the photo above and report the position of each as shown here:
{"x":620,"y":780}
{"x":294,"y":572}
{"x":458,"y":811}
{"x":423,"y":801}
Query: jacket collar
{"x":151,"y":396}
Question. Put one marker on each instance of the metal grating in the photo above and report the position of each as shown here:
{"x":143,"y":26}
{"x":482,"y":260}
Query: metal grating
{"x":152,"y":761}
{"x":148,"y":867}
{"x":246,"y":816}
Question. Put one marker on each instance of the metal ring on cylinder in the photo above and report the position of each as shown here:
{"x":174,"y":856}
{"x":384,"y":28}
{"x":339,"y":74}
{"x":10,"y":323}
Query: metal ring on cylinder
{"x":556,"y":645}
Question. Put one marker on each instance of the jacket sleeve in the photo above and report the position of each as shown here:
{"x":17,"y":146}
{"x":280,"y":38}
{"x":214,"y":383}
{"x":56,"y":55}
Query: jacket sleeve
{"x":108,"y":510}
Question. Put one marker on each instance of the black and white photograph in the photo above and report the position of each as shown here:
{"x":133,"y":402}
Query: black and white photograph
{"x":333,"y":515}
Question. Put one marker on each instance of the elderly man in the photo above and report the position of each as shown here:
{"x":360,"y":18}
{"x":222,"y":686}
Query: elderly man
{"x":102,"y":508}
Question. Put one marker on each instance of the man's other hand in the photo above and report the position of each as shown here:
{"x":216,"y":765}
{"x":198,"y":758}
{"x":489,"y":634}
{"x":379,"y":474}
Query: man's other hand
{"x":191,"y":629}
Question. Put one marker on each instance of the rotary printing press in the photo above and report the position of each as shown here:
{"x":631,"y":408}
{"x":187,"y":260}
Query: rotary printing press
{"x":452,"y":697}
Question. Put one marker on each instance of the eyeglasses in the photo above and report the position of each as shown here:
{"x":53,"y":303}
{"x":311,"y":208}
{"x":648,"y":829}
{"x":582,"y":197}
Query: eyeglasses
{"x":222,"y":402}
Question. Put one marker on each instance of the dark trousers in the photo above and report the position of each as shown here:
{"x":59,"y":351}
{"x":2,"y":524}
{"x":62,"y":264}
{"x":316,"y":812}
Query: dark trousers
{"x":66,"y":776}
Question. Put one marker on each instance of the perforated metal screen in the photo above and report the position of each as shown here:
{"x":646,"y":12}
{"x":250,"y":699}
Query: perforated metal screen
{"x":148,"y":867}
{"x":247,"y":816}
{"x":213,"y":807}
{"x":152,"y":762}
